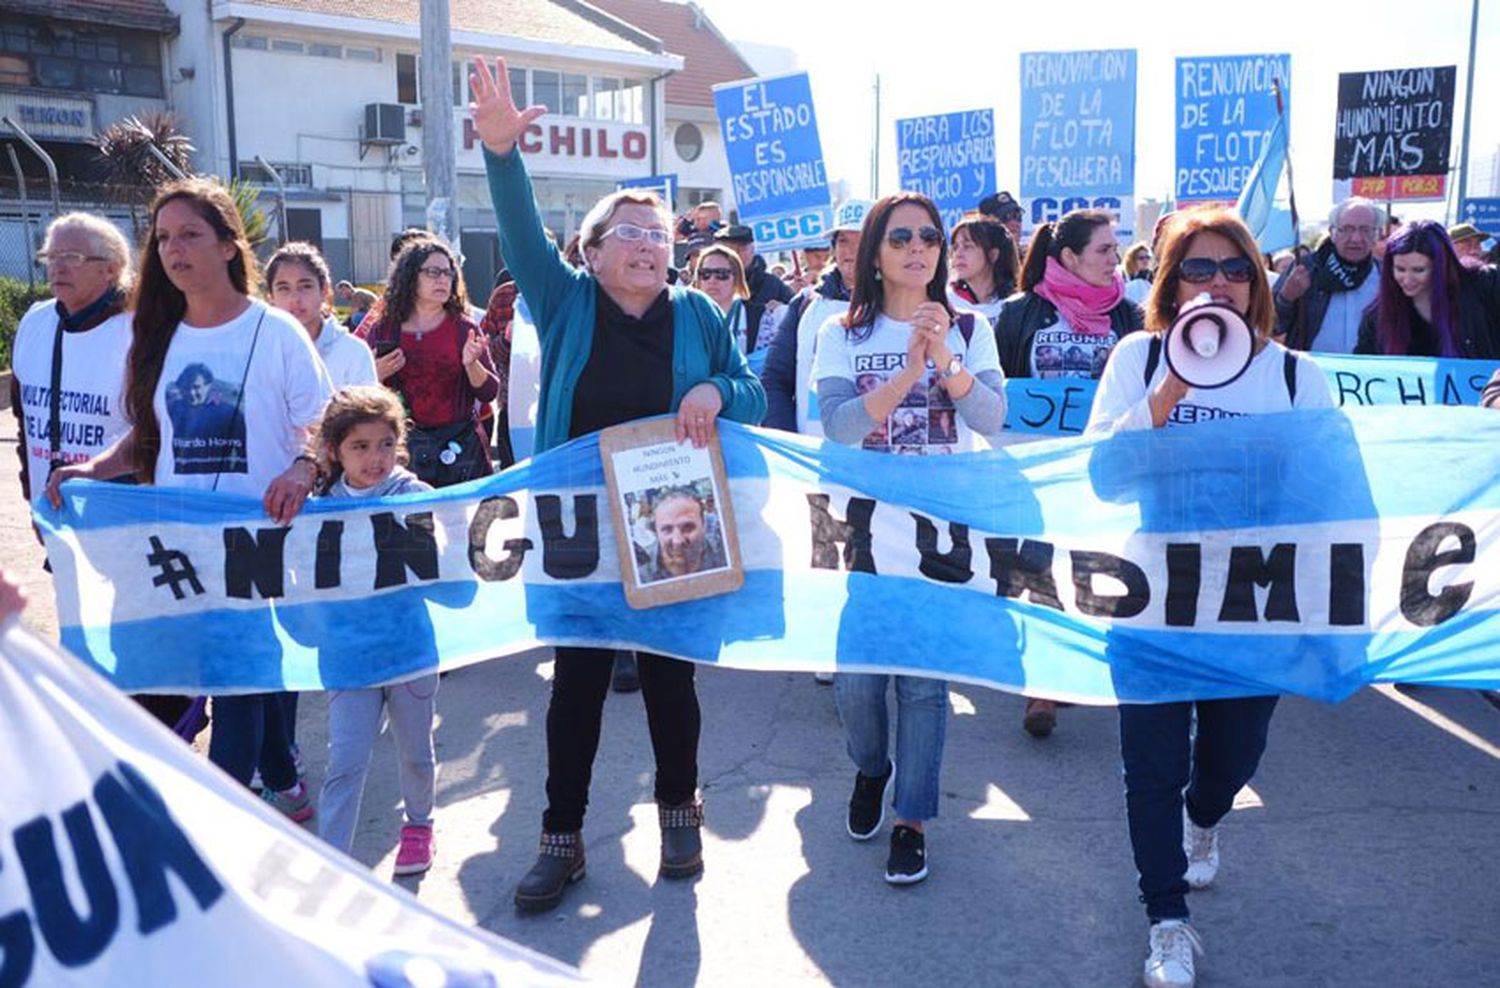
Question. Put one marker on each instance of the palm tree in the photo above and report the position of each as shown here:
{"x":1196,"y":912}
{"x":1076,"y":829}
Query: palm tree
{"x":131,"y":171}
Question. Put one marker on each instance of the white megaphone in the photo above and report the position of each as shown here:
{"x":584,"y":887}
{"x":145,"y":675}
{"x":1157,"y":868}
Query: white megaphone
{"x":1209,"y":345}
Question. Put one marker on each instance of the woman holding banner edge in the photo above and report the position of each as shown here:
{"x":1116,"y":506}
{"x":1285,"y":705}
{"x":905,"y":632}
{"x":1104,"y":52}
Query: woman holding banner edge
{"x":1180,"y":782}
{"x":618,"y":344}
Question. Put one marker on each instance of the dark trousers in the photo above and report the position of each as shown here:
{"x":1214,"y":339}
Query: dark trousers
{"x":249,"y":731}
{"x":1162,"y":758}
{"x":580,"y":682}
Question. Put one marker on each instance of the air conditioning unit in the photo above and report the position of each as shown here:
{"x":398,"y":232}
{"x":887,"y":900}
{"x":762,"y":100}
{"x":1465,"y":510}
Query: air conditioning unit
{"x":385,"y":123}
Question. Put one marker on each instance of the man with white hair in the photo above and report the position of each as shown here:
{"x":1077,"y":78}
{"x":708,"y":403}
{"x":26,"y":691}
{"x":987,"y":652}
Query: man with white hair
{"x":70,"y":352}
{"x":1320,"y":301}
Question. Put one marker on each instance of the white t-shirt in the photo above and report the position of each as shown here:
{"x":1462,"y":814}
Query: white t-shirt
{"x":990,"y":310}
{"x":1059,"y":351}
{"x":92,"y":410}
{"x":213,"y":436}
{"x":1122,"y":403}
{"x":925,"y":423}
{"x":348,"y":359}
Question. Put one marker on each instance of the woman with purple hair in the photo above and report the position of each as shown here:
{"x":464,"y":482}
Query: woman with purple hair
{"x":1430,"y":303}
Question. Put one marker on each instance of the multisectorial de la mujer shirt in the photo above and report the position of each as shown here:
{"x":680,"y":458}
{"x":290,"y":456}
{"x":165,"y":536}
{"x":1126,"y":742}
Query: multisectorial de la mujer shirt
{"x":1122,"y":400}
{"x":91,"y":409}
{"x":234,"y":400}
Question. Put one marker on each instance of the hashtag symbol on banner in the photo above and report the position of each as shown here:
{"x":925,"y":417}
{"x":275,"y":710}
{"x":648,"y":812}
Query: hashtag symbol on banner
{"x":176,"y":569}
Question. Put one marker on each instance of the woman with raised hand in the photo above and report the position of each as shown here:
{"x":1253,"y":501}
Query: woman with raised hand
{"x":1071,"y":312}
{"x":1430,"y":303}
{"x":984,"y":265}
{"x":1185,"y":761}
{"x":618,"y":344}
{"x":221,"y":390}
{"x":890,"y":374}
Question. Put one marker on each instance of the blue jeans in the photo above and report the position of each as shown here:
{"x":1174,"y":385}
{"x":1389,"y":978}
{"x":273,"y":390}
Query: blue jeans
{"x":249,"y":731}
{"x":921,"y":728}
{"x":1162,"y":759}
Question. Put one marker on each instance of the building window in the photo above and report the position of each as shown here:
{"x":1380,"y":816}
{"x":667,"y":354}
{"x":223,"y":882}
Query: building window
{"x":605,"y":93}
{"x":575,"y":95}
{"x":406,"y":79}
{"x":362,"y":54}
{"x":254,"y":42}
{"x":287,"y":46}
{"x":319,"y":50}
{"x":546,"y":90}
{"x":688,"y":140}
{"x":292,"y":174}
{"x":630,"y":103}
{"x":518,"y":86}
{"x":460,"y":83}
{"x":81,"y":57}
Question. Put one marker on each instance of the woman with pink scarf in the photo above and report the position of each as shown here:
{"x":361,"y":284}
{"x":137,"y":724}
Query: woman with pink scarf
{"x":1071,"y":312}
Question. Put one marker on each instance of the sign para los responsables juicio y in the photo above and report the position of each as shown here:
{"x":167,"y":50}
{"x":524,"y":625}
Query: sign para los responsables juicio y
{"x":776,"y":159}
{"x":1226,"y":108}
{"x":1078,"y":134}
{"x":1392,"y":133}
{"x":949,"y":158}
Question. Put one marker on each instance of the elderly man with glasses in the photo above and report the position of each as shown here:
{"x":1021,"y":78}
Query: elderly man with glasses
{"x":1319,"y":302}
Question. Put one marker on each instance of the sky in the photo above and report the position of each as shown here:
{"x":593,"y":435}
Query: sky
{"x":940,"y":56}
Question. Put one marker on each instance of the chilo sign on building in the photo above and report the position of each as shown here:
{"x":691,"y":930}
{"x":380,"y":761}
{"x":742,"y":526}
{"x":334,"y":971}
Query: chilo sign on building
{"x":594,"y":143}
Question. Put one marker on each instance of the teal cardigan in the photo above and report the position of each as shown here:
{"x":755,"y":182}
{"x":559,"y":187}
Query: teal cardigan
{"x":562,"y":301}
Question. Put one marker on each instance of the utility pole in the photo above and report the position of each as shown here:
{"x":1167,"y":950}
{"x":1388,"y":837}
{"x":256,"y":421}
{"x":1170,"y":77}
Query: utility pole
{"x":875,"y":146}
{"x":439,"y":164}
{"x":1463,"y":154}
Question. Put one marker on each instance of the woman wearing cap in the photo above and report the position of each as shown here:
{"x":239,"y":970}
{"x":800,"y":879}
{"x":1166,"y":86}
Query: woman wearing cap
{"x":1071,"y":312}
{"x":1180,"y":782}
{"x":984,"y":265}
{"x":1430,"y":303}
{"x":890,"y":374}
{"x":617,"y":344}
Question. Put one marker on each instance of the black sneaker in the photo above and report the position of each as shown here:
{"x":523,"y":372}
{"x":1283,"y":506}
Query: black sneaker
{"x":907,"y":864}
{"x":867,"y":805}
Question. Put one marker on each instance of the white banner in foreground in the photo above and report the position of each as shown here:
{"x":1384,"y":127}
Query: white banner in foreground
{"x":126,"y":860}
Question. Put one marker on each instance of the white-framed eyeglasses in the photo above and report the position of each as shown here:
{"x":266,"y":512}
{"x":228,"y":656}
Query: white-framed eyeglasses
{"x":632,"y":234}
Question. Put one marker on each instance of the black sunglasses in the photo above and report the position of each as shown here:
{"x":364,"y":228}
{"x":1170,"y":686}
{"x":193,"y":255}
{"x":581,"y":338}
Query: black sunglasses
{"x":1201,"y":270}
{"x":901,"y":236}
{"x":715,"y":274}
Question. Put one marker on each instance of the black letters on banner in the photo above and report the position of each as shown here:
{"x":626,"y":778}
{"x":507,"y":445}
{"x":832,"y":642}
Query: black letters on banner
{"x":1024,"y":570}
{"x":257,"y":560}
{"x":1087,"y":565}
{"x":328,"y":566}
{"x":1184,"y":580}
{"x":1418,"y":603}
{"x":953,"y":566}
{"x":17,"y":948}
{"x":398,"y":548}
{"x":73,"y":939}
{"x":569,"y":557}
{"x":1346,"y":584}
{"x":491,"y":510}
{"x":1248,"y":569}
{"x":828,"y":532}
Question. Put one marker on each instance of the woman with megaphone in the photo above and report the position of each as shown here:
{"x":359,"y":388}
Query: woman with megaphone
{"x":1208,"y":354}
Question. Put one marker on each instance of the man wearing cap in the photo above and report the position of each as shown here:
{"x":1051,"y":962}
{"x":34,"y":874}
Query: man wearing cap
{"x":1468,"y":241}
{"x":789,"y":362}
{"x":1003,"y":206}
{"x":765,"y":287}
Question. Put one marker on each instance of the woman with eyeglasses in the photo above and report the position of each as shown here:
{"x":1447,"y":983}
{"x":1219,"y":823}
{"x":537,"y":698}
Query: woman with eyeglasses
{"x":1180,"y":782}
{"x":429,"y":350}
{"x":984,"y":265}
{"x":618,"y":344}
{"x":1071,"y":312}
{"x":720,"y":275}
{"x":1430,"y":304}
{"x":890,"y":374}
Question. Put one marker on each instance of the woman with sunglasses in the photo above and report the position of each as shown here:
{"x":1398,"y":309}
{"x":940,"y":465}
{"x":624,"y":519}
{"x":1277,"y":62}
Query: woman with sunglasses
{"x":898,"y":363}
{"x":429,"y":350}
{"x":1179,"y":783}
{"x":1071,"y":312}
{"x":1430,"y":304}
{"x":984,"y":265}
{"x":617,"y":345}
{"x":719,"y":274}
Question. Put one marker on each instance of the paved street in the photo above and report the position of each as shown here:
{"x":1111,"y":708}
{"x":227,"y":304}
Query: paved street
{"x":1366,"y":854}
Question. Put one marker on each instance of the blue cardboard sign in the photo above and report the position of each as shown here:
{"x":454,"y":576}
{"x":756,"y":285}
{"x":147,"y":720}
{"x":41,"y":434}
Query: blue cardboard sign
{"x":663,"y":185}
{"x":1482,"y":212}
{"x":1226,"y":107}
{"x":775,"y":158}
{"x":949,"y":158}
{"x":1078,"y":124}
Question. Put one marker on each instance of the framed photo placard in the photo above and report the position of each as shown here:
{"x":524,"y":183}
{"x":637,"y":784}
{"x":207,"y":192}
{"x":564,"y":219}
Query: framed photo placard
{"x":674,"y":526}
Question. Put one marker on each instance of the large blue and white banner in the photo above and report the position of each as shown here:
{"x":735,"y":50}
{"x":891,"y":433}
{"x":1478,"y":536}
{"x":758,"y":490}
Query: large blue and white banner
{"x":1226,"y":108}
{"x":949,"y":158}
{"x":776,"y":159}
{"x":130,"y":861}
{"x":1305,"y":552}
{"x":1078,"y":134}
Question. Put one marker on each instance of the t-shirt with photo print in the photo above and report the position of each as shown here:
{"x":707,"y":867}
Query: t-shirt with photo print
{"x":1059,"y":351}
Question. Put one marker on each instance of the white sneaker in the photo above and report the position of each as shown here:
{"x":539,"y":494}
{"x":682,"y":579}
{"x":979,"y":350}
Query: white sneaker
{"x":1170,"y":965}
{"x":823,"y":678}
{"x":1201,"y":845}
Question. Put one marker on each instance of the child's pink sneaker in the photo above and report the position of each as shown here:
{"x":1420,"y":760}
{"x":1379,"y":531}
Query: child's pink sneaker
{"x":415,"y":855}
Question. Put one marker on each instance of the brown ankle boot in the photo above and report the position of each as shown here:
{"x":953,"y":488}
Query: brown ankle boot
{"x":681,"y":839}
{"x":558,"y":865}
